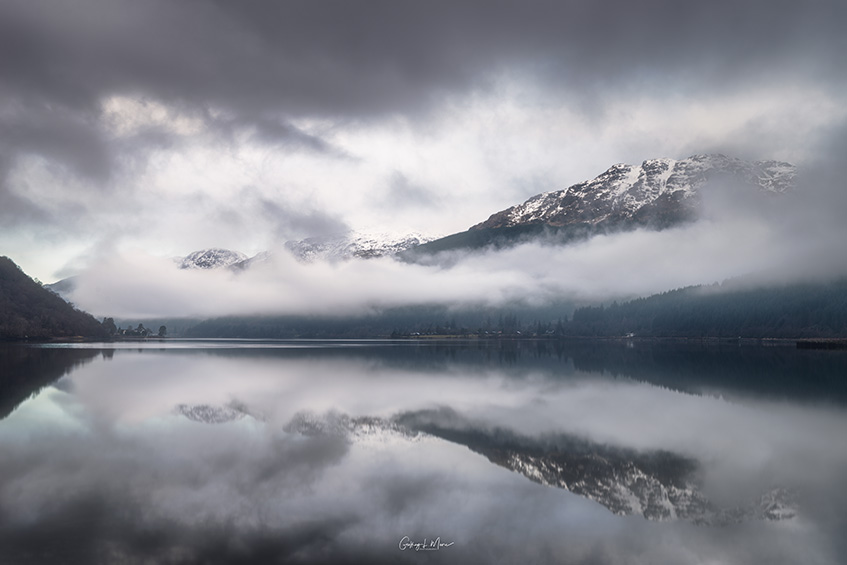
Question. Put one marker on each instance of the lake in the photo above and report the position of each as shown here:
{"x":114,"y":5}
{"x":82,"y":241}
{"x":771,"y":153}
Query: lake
{"x":422,"y":452}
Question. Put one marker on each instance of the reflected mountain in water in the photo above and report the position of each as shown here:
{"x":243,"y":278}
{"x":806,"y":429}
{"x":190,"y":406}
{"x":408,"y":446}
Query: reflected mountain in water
{"x":733,"y":370}
{"x":26,"y":370}
{"x":352,"y":430}
{"x":658,"y":485}
{"x":208,"y":414}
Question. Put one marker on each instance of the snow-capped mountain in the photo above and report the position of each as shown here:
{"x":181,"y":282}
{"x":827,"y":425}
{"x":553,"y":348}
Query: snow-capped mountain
{"x":353,"y":245}
{"x":659,"y":192}
{"x":214,"y":258}
{"x":257,"y":259}
{"x":343,"y":247}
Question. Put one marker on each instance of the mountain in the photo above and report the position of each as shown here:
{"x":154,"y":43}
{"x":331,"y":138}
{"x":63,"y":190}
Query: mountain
{"x":353,"y":245}
{"x":337,"y":247}
{"x":658,"y":194}
{"x":30,"y":311}
{"x":214,"y":258}
{"x":341,"y":247}
{"x":735,"y":308}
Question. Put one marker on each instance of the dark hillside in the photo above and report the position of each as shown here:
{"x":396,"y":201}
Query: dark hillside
{"x":29,"y":311}
{"x":801,"y":310}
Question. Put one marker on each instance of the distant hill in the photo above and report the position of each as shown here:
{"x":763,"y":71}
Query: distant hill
{"x":736,"y":308}
{"x":732,"y":309}
{"x":29,"y":311}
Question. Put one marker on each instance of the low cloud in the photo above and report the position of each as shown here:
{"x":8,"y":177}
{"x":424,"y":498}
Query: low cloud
{"x":770,"y":238}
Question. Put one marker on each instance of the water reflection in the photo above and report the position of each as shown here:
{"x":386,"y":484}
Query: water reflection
{"x":185,"y":452}
{"x":696,"y":367}
{"x":25,"y":371}
{"x":658,"y":485}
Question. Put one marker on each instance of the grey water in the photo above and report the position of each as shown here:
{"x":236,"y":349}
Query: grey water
{"x":422,"y":452}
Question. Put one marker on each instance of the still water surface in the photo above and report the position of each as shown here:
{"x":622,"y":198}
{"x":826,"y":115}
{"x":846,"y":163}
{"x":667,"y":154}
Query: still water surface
{"x":395,"y":452}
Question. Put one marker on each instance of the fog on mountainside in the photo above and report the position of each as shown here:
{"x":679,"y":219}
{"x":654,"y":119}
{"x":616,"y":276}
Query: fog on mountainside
{"x":787,"y":236}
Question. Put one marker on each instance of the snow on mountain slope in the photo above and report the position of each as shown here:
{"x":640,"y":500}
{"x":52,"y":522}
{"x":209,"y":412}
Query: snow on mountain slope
{"x":214,"y":258}
{"x":659,"y":192}
{"x":352,"y":245}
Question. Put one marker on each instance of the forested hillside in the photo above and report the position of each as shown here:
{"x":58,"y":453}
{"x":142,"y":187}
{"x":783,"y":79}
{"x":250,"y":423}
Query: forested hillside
{"x":29,"y":311}
{"x":729,"y":310}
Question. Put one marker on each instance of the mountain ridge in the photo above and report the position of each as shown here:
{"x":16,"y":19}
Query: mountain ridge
{"x":211,"y":258}
{"x":658,"y":194}
{"x":343,"y":247}
{"x":664,"y":190}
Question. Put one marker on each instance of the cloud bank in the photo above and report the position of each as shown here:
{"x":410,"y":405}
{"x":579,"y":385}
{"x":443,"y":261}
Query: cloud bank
{"x":794,"y":237}
{"x":173,"y":127}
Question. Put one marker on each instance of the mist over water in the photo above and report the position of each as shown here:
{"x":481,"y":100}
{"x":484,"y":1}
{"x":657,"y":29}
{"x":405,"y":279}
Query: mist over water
{"x":184,"y":452}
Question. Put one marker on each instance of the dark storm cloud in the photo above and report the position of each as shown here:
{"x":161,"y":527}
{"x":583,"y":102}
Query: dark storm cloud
{"x":15,"y":208}
{"x":273,"y":131}
{"x":58,"y":135}
{"x":404,"y":193}
{"x":298,"y":223}
{"x":270,"y":130}
{"x":407,"y":50}
{"x":351,"y":59}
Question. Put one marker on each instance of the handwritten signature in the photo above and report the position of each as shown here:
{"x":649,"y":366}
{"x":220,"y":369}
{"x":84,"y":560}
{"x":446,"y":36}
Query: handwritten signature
{"x":425,"y":545}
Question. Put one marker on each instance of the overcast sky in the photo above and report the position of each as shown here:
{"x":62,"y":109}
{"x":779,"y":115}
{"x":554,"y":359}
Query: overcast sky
{"x":173,"y":126}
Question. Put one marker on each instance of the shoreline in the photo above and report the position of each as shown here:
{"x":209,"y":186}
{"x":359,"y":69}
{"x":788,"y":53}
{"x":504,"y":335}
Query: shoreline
{"x":833,"y":343}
